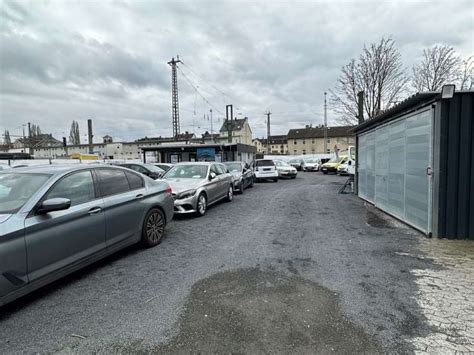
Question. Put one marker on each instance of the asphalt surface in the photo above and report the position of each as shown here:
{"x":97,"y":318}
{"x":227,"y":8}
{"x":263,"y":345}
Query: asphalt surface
{"x":288,"y":267}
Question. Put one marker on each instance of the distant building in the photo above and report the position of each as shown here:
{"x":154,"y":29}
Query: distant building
{"x":310,"y":140}
{"x":260,"y":144}
{"x":42,"y":140}
{"x":107,"y":139}
{"x":240,"y":130}
{"x":278,"y":145}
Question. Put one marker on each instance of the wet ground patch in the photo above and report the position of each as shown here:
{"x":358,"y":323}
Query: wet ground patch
{"x":254,"y":311}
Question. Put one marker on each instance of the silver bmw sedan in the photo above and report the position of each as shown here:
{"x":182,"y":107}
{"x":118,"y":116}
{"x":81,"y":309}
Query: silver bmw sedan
{"x":57,"y":219}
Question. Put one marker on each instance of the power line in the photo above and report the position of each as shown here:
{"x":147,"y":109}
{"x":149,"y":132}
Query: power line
{"x":199,"y":93}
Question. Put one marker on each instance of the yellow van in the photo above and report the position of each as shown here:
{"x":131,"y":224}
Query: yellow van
{"x":332,"y":165}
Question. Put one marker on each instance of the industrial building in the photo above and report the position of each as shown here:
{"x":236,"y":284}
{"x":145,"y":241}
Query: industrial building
{"x":416,"y":162}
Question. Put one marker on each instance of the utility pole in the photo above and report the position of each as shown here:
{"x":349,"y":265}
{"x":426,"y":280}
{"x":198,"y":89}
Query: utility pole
{"x":268,"y":113}
{"x":90,"y":135}
{"x":212,"y":130}
{"x":174,"y":96}
{"x":229,"y":109}
{"x":325,"y":124}
{"x":30,"y":148}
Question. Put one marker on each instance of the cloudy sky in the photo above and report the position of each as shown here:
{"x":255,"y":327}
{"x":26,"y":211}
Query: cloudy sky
{"x":107,"y":60}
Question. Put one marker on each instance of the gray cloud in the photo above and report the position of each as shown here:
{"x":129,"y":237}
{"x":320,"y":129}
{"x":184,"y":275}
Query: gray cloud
{"x":108,"y":60}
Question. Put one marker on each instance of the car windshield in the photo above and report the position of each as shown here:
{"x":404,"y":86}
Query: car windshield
{"x":280,"y":163}
{"x":16,"y":189}
{"x":294,"y":161}
{"x":264,"y":163}
{"x":187,"y":172}
{"x":335,"y":160}
{"x":234,"y":167}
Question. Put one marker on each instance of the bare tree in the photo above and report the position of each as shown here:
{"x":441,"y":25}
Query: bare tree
{"x":466,"y":74}
{"x":440,"y":65}
{"x":74,"y":136}
{"x":378,"y":72}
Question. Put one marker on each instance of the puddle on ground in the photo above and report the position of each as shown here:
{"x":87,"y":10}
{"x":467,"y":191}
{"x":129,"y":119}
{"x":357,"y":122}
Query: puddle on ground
{"x":254,"y":311}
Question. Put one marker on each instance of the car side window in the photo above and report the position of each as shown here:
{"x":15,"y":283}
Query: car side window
{"x":222,"y":169}
{"x":77,"y":187}
{"x":138,"y":168}
{"x":134,"y":181}
{"x":215,"y":169}
{"x":112,"y":182}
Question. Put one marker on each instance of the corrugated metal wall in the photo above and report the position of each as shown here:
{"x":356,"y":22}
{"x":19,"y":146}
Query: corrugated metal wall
{"x":456,"y":165}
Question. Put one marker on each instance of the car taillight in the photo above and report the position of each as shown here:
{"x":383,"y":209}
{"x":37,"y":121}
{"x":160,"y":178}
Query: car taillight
{"x":169,"y":190}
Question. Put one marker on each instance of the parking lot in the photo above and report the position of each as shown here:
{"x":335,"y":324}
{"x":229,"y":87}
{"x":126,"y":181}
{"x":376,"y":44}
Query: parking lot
{"x":286,"y":267}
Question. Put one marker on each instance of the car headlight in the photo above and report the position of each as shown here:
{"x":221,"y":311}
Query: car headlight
{"x":186,"y":194}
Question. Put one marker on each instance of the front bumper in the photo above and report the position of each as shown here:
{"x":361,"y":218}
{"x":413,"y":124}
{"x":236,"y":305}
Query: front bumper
{"x":287,"y":173}
{"x":266,"y":174}
{"x":185,"y":205}
{"x":329,"y":169}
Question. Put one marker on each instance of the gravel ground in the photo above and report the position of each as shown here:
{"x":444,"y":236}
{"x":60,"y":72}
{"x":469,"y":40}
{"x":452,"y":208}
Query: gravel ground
{"x":287,"y":267}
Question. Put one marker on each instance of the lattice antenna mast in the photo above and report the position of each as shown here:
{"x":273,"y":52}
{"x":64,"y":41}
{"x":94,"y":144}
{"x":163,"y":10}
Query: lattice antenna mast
{"x":174,"y":96}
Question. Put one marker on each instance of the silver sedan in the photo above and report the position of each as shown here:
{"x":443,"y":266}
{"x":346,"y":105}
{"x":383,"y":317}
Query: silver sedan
{"x":195,"y":186}
{"x":57,"y":219}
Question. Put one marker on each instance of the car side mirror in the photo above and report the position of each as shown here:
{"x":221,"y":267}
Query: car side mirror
{"x":212,"y":176}
{"x":54,"y":204}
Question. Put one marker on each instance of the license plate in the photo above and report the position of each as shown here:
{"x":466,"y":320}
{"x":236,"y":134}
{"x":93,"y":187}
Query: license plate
{"x":267,"y":169}
{"x":324,"y":169}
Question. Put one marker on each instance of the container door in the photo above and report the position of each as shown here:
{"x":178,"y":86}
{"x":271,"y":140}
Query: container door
{"x":418,"y":170}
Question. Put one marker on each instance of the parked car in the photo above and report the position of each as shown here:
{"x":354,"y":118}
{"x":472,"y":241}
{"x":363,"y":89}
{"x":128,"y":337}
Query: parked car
{"x":195,"y":186}
{"x":57,"y":219}
{"x":311,"y":165}
{"x":285,"y":170}
{"x":164,"y":166}
{"x":298,"y":164}
{"x":343,"y":167}
{"x":242,"y":175}
{"x":265,"y":169}
{"x":149,"y":170}
{"x":332,"y":165}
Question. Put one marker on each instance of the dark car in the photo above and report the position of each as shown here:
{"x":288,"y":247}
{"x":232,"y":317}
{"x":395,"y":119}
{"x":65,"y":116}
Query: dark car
{"x":242,"y":175}
{"x":298,"y":164}
{"x":57,"y":219}
{"x":150,"y":170}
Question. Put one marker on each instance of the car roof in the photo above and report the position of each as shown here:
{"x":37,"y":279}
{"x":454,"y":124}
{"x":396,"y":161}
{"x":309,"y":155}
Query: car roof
{"x":205,"y":163}
{"x":55,"y":169}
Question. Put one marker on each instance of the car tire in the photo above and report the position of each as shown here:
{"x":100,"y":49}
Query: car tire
{"x":275,"y":180}
{"x":201,"y":205}
{"x":230,"y":194}
{"x":153,"y":228}
{"x":325,"y":172}
{"x":293,"y":177}
{"x":242,"y":187}
{"x":251,"y":182}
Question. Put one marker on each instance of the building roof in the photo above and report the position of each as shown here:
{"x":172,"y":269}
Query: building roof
{"x":318,"y":132}
{"x":410,"y":104}
{"x":181,"y":137}
{"x":281,"y":139}
{"x":236,"y":124}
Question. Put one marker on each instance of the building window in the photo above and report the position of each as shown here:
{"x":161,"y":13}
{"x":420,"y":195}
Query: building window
{"x":312,"y":141}
{"x":295,"y":142}
{"x":313,"y":151}
{"x":329,"y":140}
{"x":304,"y":141}
{"x":295,"y":152}
{"x":328,"y":151}
{"x":304,"y":152}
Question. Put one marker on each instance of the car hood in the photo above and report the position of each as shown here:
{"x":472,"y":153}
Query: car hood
{"x":311,"y":164}
{"x":179,"y":185}
{"x":285,"y":168}
{"x":330,"y":165}
{"x":236,"y":174}
{"x":4,"y":217}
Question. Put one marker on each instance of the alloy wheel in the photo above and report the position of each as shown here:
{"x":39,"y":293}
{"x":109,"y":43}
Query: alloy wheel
{"x":155,"y":227}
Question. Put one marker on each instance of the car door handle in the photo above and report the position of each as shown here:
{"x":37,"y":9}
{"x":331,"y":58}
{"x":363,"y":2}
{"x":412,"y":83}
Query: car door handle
{"x":139,"y":196}
{"x":94,"y":210}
